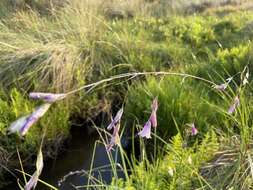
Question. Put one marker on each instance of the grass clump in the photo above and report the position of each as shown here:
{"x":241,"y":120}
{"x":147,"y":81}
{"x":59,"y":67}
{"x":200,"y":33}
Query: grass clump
{"x":177,"y":168}
{"x":180,"y":104}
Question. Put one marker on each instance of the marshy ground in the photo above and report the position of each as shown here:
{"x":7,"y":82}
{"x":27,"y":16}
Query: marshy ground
{"x":195,"y":57}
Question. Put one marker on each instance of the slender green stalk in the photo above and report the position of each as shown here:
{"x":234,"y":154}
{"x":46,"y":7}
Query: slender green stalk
{"x":123,"y":161}
{"x":21,"y":165}
{"x":136,"y":74}
{"x":155,"y":145}
{"x":91,"y":164}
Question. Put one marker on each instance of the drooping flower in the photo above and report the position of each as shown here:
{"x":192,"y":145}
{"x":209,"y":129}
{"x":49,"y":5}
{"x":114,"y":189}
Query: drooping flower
{"x":23,"y":124}
{"x":116,"y":120}
{"x":153,"y":118}
{"x":115,"y":139}
{"x":47,"y":97}
{"x":223,"y":86}
{"x":146,"y":131}
{"x":152,"y":121}
{"x":32,"y":183}
{"x":194,"y":130}
{"x":17,"y":125}
{"x":235,"y":104}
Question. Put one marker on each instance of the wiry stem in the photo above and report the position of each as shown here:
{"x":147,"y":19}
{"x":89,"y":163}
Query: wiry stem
{"x":136,"y":74}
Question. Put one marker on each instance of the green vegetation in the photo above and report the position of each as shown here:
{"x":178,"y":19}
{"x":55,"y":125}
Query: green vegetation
{"x":54,"y":46}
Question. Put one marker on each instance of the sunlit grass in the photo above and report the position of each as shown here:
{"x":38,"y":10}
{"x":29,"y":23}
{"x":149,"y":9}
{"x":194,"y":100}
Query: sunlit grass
{"x":58,"y":47}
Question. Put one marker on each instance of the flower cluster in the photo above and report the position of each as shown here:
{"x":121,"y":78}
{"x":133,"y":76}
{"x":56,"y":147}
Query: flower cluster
{"x":145,"y":132}
{"x":23,"y":124}
{"x":115,"y":125}
{"x":236,"y":101}
{"x":223,"y":86}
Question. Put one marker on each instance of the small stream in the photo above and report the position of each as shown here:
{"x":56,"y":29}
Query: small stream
{"x":77,"y":156}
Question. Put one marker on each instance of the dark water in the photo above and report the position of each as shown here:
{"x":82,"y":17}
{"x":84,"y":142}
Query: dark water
{"x":78,"y":156}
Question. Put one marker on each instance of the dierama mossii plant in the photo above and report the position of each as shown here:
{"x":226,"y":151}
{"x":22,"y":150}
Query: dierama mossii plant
{"x":115,"y":125}
{"x":47,"y":97}
{"x":194,"y":130}
{"x":152,"y":121}
{"x":23,"y":124}
{"x":146,"y":131}
{"x":115,"y":121}
{"x":222,"y":87}
{"x":51,"y":97}
{"x":115,"y":139}
{"x":234,"y":105}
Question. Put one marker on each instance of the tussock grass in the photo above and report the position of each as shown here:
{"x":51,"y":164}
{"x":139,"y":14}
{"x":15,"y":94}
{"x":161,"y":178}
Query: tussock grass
{"x":48,"y":50}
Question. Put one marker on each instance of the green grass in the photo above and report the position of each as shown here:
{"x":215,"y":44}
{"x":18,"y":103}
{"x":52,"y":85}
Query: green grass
{"x":53,"y":47}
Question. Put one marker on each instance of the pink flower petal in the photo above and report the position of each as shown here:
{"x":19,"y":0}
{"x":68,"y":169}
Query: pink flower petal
{"x":194,"y":130}
{"x":146,"y":131}
{"x":116,"y":119}
{"x":235,"y":104}
{"x":17,"y":125}
{"x":154,"y":105}
{"x":153,"y":119}
{"x":221,"y":87}
{"x":115,"y":139}
{"x":47,"y":97}
{"x":34,"y":117}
